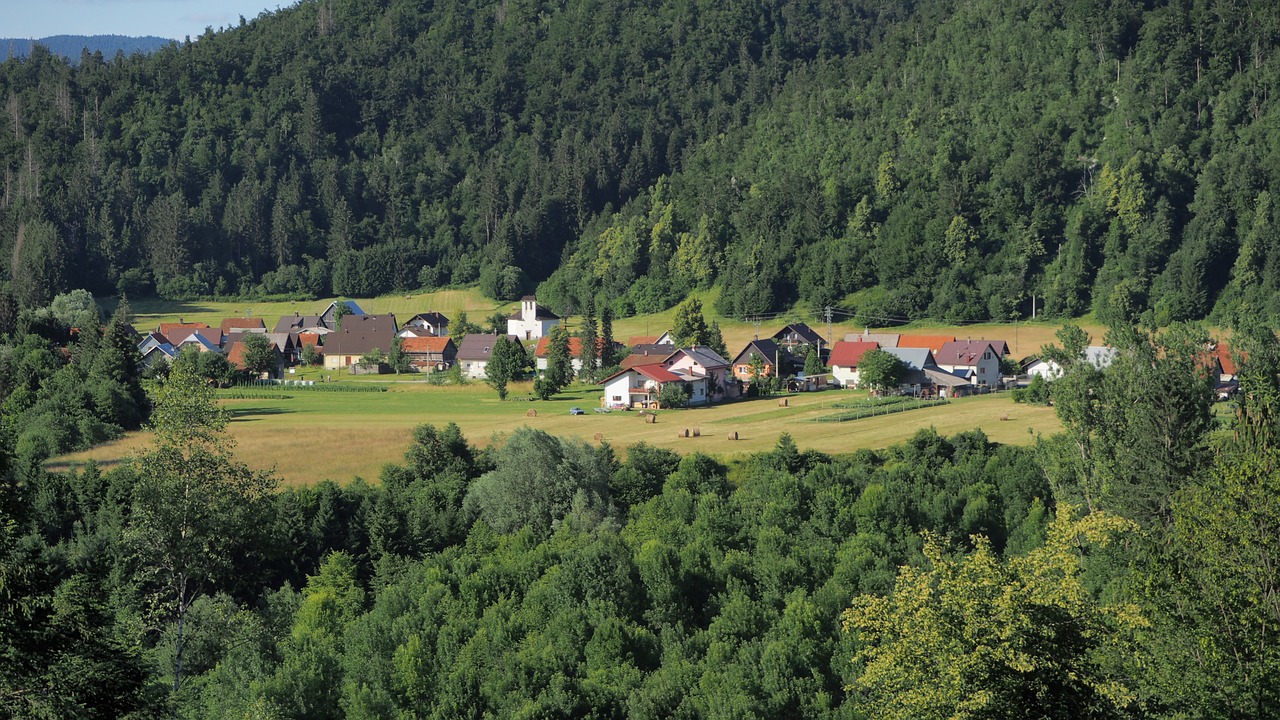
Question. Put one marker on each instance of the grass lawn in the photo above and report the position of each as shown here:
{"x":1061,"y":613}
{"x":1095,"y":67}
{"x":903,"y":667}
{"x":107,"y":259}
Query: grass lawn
{"x":309,"y":436}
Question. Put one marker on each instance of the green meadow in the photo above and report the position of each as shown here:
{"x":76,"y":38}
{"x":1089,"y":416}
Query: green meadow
{"x":307,"y":436}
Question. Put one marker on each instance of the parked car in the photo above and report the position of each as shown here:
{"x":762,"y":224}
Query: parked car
{"x":577,"y":411}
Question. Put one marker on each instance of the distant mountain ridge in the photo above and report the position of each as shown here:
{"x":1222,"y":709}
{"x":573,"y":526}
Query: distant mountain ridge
{"x":70,"y":46}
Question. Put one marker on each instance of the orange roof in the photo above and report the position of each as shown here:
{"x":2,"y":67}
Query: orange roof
{"x":543,"y":348}
{"x":308,"y":338}
{"x":1226,"y":360}
{"x":425,"y":344}
{"x":635,"y":340}
{"x":933,"y":342}
{"x":235,"y":355}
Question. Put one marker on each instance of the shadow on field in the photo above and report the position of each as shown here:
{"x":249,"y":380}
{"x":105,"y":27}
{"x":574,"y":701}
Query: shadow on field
{"x":248,"y":414}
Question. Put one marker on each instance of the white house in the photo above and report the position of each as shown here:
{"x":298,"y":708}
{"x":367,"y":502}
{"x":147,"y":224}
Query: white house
{"x":474,"y":353}
{"x":641,"y":385}
{"x":844,"y":360}
{"x":531,"y":321}
{"x":978,"y":361}
{"x":700,"y":361}
{"x":1100,"y":356}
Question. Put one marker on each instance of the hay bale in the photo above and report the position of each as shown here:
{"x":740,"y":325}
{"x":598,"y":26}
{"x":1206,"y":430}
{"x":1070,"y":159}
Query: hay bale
{"x":697,"y":432}
{"x":531,"y":413}
{"x":1004,"y":417}
{"x":599,"y":437}
{"x":733,"y":435}
{"x":784,"y":402}
{"x":651,"y":418}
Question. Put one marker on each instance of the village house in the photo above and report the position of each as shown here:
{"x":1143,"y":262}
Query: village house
{"x":844,"y":360}
{"x":166,"y":328}
{"x":647,"y":354}
{"x":641,"y":386}
{"x":238,"y":325}
{"x":301,"y":323}
{"x":795,"y":335}
{"x":206,"y":340}
{"x":475,"y":351}
{"x":1100,"y":356}
{"x":329,"y":318}
{"x":365,"y":324}
{"x":155,"y":348}
{"x":885,"y":340}
{"x":287,"y":345}
{"x":531,"y":321}
{"x":977,"y":361}
{"x":699,"y":361}
{"x":542,"y":353}
{"x":345,"y":349}
{"x":236,"y":354}
{"x":917,"y":381}
{"x":774,"y":361}
{"x":431,"y":324}
{"x":429,"y":354}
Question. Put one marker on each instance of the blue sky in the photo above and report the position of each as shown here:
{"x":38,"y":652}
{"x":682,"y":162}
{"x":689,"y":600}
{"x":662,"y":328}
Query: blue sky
{"x":166,"y":18}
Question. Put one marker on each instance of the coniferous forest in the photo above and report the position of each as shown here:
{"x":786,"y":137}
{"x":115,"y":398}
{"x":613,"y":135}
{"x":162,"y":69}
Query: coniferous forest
{"x":898,"y":159}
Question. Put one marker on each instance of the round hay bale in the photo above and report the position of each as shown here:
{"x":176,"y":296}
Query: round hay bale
{"x":733,"y":435}
{"x":599,"y":437}
{"x":686,"y":432}
{"x":651,"y":418}
{"x":531,"y":413}
{"x":697,"y":432}
{"x":784,"y":402}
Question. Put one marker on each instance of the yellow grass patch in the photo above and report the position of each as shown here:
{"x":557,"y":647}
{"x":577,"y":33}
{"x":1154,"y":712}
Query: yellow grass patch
{"x":313,"y":436}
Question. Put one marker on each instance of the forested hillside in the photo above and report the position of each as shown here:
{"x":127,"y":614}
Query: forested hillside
{"x":901,"y":159}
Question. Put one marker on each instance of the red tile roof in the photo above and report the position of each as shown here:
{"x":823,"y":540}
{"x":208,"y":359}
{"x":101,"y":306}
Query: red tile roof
{"x":849,"y":354}
{"x":235,"y":355}
{"x":425,"y":344}
{"x":543,"y":349}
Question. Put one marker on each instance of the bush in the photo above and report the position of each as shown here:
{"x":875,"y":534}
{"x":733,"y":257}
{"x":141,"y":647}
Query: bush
{"x":674,"y":395}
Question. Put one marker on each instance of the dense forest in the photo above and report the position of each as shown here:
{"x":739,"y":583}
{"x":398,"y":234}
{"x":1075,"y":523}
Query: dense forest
{"x":1122,"y":569}
{"x":896,"y":159}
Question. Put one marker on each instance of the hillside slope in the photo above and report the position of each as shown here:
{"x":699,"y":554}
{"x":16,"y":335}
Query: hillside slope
{"x":899,"y":159}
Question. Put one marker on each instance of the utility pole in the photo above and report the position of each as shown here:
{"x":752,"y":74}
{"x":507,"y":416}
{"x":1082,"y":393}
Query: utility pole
{"x":828,"y":312}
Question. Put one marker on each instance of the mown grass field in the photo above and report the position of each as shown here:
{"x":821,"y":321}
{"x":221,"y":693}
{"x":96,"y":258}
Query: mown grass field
{"x":310,"y":436}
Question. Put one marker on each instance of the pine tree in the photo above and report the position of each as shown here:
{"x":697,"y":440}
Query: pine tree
{"x":607,"y":355}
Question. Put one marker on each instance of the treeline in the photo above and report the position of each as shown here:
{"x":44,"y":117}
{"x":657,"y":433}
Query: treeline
{"x":1118,"y":570}
{"x":900,"y":160}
